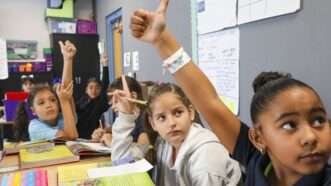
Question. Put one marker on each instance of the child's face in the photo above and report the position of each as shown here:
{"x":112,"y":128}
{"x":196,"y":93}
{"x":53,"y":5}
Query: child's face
{"x":171,"y":118}
{"x":93,"y":90}
{"x":296,"y":132}
{"x":45,"y":106}
{"x":27,"y":86}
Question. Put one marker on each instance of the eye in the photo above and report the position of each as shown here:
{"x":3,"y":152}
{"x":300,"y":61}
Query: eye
{"x":161,"y":118}
{"x":318,"y":121}
{"x":53,"y":100}
{"x":178,"y":113}
{"x":289,"y":126}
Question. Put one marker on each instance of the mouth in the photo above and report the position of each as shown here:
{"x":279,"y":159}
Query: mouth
{"x":50,"y":112}
{"x":315,"y":157}
{"x":174,"y":133}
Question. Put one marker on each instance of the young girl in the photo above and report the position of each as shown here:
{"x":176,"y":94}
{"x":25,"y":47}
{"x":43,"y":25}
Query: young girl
{"x":50,"y":123}
{"x":27,"y":82}
{"x":138,"y":134}
{"x":93,"y":104}
{"x":185,"y":153}
{"x":290,"y":141}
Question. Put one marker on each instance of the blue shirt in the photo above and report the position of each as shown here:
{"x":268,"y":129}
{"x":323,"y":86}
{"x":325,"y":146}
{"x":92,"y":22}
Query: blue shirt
{"x":39,"y":130}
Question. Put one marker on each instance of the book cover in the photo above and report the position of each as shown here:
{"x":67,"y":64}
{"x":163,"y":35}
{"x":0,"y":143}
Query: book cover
{"x":46,"y":154}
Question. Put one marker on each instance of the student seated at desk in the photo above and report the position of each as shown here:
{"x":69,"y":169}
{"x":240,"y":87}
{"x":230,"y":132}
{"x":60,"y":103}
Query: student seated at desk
{"x":49,"y":122}
{"x":93,"y":104}
{"x":184,"y":153}
{"x":138,"y":134}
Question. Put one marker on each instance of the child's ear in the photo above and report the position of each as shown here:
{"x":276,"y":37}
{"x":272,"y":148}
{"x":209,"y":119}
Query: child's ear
{"x":134,"y":94}
{"x":191,"y":112}
{"x":256,"y":138}
{"x":150,"y":120}
{"x":33,"y":110}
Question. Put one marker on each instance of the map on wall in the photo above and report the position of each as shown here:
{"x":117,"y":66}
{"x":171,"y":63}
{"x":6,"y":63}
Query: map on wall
{"x":253,"y":10}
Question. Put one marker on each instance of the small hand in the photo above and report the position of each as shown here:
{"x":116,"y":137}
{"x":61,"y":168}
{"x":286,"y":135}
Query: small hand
{"x":106,"y":139}
{"x":97,"y":134}
{"x":104,"y":60}
{"x":148,"y":26}
{"x":68,"y":50}
{"x":65,"y":93}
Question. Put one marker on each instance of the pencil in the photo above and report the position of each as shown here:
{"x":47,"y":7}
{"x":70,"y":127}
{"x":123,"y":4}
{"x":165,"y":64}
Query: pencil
{"x":100,"y":124}
{"x":141,"y":102}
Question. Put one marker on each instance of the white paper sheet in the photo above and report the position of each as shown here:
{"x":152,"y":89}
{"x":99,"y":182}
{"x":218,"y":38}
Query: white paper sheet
{"x":138,"y":166}
{"x":216,"y":15}
{"x":135,"y":61}
{"x":219,"y":60}
{"x":127,"y":59}
{"x":3,"y":59}
{"x":253,"y":10}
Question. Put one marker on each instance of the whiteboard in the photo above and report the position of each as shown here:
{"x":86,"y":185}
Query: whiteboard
{"x":253,"y":10}
{"x":216,"y":15}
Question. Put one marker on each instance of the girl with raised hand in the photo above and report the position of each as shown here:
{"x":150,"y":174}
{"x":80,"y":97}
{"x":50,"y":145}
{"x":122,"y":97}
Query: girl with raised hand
{"x":182,"y":152}
{"x":289,"y":143}
{"x":50,"y":123}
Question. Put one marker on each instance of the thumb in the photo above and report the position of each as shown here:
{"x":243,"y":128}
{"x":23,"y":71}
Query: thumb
{"x":163,"y":6}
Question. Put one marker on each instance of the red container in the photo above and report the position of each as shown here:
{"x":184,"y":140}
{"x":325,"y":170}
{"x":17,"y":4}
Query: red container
{"x":20,"y":96}
{"x":86,"y":27}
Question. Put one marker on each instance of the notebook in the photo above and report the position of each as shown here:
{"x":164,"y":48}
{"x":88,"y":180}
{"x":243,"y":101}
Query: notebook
{"x":35,"y":177}
{"x":14,"y":148}
{"x":45,"y":154}
{"x":73,"y":175}
{"x":84,"y":149}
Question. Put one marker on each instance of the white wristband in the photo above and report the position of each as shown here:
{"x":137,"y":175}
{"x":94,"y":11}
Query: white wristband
{"x":176,"y":61}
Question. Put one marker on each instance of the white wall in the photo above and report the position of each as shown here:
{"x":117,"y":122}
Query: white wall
{"x":25,"y":20}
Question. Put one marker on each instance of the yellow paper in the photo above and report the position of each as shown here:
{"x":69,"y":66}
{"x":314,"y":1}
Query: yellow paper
{"x":17,"y":179}
{"x":56,"y":152}
{"x":136,"y":179}
{"x":71,"y":173}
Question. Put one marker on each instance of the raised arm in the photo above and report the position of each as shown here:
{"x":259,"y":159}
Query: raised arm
{"x":68,"y":51}
{"x":151,"y":27}
{"x":65,"y":96}
{"x":105,"y":72}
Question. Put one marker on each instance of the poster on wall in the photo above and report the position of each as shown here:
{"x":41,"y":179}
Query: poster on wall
{"x":253,"y":10}
{"x":216,"y":15}
{"x":219,"y":60}
{"x":21,"y":49}
{"x":3,"y":59}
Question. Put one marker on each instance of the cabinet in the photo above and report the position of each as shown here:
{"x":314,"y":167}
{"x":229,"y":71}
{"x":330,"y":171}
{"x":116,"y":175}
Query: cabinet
{"x":86,"y":62}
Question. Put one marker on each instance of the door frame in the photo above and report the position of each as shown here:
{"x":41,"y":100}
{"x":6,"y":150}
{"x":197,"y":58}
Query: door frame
{"x":110,"y":20}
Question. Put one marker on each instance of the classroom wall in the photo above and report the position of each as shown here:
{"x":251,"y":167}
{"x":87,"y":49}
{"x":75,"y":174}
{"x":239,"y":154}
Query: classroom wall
{"x":150,"y":64}
{"x":25,"y":20}
{"x":297,"y":43}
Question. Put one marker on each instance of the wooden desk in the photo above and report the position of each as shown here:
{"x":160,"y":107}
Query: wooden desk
{"x":13,"y":160}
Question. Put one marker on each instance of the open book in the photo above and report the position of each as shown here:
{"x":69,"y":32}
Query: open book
{"x":14,"y":148}
{"x":88,"y":148}
{"x":46,"y":154}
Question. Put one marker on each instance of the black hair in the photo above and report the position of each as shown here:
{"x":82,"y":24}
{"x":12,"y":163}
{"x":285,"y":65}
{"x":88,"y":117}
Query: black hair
{"x":21,"y":121}
{"x":93,"y":80}
{"x":133,"y":85}
{"x":267,"y":85}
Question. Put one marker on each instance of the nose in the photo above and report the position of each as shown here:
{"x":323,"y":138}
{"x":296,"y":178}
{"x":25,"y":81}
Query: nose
{"x":171,"y":122}
{"x":309,"y":137}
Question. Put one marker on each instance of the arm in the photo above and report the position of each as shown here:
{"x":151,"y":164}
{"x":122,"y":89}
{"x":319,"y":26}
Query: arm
{"x":69,"y":128}
{"x":122,"y":141}
{"x":150,"y":27}
{"x":105,"y":73}
{"x":68,"y":51}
